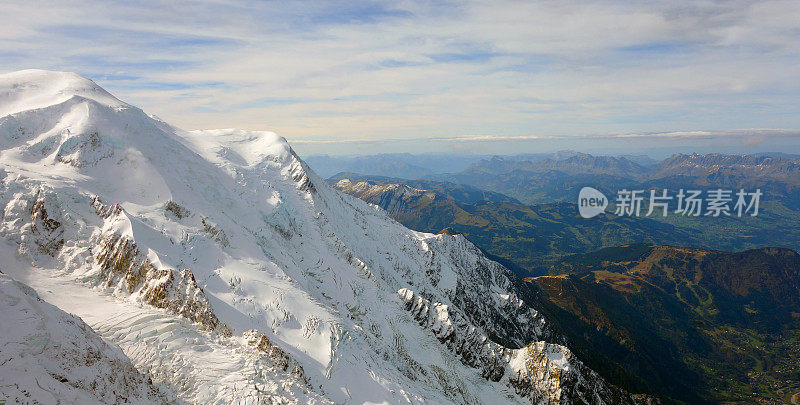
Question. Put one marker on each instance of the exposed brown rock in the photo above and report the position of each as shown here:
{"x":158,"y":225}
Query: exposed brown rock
{"x":260,"y":342}
{"x":48,"y":231}
{"x":121,"y":261}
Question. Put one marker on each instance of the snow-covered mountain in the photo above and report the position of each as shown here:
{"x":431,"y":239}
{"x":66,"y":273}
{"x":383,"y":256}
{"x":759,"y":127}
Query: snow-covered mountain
{"x":227,"y":271}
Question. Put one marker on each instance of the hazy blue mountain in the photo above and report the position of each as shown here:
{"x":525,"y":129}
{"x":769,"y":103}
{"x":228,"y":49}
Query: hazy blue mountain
{"x":398,"y":165}
{"x":379,"y":165}
{"x":544,"y":180}
{"x":415,"y":166}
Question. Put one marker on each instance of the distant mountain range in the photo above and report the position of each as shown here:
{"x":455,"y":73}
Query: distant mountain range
{"x":526,"y":238}
{"x":574,"y":163}
{"x":550,"y":177}
{"x":401,"y":165}
{"x":531,"y":238}
{"x":546,"y":180}
{"x":418,"y":166}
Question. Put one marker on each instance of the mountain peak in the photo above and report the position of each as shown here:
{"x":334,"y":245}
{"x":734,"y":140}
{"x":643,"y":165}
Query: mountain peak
{"x":35,"y":88}
{"x":240,"y":146}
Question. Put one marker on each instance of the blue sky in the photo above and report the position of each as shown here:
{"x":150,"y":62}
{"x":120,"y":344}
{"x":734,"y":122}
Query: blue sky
{"x":474,"y":76}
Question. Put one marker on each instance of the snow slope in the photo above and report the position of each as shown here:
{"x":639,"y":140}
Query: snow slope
{"x":48,"y":355}
{"x":225,"y":268}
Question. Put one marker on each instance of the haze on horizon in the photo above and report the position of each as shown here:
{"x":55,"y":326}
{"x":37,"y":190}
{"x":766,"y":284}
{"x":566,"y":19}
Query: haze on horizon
{"x":468,"y":76}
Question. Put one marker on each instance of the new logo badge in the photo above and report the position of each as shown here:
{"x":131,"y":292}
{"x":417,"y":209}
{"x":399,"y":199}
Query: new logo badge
{"x":591,"y":202}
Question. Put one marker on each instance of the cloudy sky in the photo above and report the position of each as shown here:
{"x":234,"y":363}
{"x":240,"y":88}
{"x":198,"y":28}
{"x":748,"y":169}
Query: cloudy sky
{"x":500,"y":76}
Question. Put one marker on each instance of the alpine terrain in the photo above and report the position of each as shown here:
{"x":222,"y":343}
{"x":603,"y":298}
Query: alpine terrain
{"x":215,"y":267}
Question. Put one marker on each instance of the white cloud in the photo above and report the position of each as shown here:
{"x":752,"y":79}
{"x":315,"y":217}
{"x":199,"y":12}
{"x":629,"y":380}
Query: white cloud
{"x":412,"y":70}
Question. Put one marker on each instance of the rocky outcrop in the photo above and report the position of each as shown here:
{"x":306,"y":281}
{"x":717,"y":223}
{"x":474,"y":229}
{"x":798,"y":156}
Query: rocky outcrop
{"x":48,"y":233}
{"x":542,"y":372}
{"x":85,"y":150}
{"x":490,"y":296}
{"x":123,"y":265}
{"x":260,"y":342}
{"x":298,"y":172}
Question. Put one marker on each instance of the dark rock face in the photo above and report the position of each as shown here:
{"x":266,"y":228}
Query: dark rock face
{"x":48,"y":232}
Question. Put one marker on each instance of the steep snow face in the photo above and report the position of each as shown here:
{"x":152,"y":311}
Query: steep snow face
{"x":49,"y":356}
{"x":234,"y":259}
